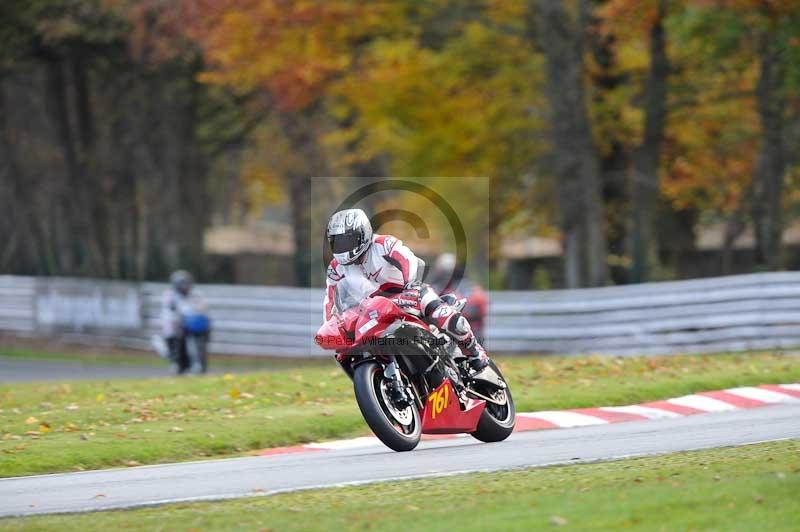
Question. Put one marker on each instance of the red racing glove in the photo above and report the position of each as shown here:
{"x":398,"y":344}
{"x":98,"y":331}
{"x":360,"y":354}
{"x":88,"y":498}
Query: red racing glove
{"x":408,"y":299}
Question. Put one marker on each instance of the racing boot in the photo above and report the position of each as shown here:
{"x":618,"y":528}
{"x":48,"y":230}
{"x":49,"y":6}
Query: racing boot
{"x":449,"y":319}
{"x":476,"y":356}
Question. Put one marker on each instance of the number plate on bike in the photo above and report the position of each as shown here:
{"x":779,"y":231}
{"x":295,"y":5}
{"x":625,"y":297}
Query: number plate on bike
{"x":444,"y":413}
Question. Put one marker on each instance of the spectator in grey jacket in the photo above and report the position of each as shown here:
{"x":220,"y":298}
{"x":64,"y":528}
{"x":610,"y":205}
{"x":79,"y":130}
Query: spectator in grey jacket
{"x":178,"y":301}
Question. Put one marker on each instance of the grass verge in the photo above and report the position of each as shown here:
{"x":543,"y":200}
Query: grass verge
{"x":742,"y":488}
{"x":53,"y":427}
{"x":95,"y":355}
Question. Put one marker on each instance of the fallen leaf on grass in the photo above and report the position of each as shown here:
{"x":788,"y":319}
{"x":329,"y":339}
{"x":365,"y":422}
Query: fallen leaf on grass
{"x":176,"y":429}
{"x":72,"y":407}
{"x":44,"y":426}
{"x":558,"y":520}
{"x":234,"y":393}
{"x":31,"y":420}
{"x":132,"y":463}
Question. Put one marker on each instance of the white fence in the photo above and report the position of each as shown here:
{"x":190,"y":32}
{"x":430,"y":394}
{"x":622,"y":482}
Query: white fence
{"x":756,"y":311}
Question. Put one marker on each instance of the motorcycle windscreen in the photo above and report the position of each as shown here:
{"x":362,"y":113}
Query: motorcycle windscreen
{"x":443,"y":412}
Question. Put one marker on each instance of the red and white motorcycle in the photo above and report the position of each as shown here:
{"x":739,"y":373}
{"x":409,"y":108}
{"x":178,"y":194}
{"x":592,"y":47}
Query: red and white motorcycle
{"x":377,"y":343}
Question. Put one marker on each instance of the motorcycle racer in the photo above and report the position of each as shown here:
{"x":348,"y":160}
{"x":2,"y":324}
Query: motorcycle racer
{"x":382,"y":263}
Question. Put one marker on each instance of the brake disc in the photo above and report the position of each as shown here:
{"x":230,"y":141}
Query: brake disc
{"x":404,"y":416}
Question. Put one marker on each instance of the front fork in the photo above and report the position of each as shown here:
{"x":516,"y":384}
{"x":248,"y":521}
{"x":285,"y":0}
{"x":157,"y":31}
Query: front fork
{"x":391,"y":371}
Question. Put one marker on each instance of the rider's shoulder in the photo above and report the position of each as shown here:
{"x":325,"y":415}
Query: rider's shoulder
{"x":334,"y":271}
{"x":387,"y":242}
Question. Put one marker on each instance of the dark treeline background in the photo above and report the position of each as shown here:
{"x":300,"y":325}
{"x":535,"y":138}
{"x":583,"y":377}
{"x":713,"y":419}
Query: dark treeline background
{"x":128,"y":127}
{"x":107,"y":141}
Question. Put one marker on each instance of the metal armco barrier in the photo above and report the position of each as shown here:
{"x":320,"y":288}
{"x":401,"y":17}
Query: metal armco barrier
{"x":756,"y":311}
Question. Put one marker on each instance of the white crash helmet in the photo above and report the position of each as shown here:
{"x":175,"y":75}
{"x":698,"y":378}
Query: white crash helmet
{"x":182,"y":281}
{"x":349,"y":235}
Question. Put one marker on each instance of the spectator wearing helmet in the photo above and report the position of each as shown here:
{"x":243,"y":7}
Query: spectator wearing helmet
{"x":174,"y":304}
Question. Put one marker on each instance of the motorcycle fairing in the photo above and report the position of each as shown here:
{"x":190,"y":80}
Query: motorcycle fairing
{"x":443,"y":412}
{"x":330,"y":336}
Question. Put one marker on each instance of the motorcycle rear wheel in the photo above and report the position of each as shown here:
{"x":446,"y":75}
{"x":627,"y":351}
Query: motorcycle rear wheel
{"x":377,"y":411}
{"x":497,"y":421}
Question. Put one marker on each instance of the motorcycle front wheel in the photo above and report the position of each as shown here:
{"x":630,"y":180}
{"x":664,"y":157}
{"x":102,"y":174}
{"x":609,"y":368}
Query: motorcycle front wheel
{"x":398,"y":429}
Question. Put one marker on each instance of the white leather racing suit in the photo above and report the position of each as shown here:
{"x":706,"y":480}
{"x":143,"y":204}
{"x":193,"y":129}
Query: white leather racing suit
{"x":390,"y":266}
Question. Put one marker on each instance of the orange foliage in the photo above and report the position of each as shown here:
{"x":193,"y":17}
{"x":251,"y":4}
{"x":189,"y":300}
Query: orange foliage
{"x":291,"y":48}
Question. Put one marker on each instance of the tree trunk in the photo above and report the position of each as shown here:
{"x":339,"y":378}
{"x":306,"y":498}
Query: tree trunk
{"x":646,"y":159}
{"x":88,"y":187}
{"x":298,"y":126}
{"x":70,"y":209}
{"x":575,"y":162}
{"x":615,"y":161}
{"x":734,"y":227}
{"x":193,"y":190}
{"x":768,"y":178}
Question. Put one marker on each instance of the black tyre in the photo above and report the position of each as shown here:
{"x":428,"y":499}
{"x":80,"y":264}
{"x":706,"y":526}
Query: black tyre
{"x":400,"y":430}
{"x":497,"y":421}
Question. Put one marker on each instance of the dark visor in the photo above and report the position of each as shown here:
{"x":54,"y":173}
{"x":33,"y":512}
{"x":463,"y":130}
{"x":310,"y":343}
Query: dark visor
{"x":344,"y":243}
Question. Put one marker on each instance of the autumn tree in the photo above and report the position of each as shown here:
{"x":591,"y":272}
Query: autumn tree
{"x":291,"y":52}
{"x":574,"y":160}
{"x":104,"y":142}
{"x":739,"y":85}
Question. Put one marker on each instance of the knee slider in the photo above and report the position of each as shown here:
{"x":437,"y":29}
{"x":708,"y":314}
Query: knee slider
{"x":459,"y":326}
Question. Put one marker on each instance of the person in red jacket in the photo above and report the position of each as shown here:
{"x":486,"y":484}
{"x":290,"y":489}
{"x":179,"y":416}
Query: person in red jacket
{"x":441,"y":280}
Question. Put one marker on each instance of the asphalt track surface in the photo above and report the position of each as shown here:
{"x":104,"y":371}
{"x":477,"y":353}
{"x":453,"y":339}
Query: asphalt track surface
{"x":23,"y":370}
{"x":262,"y":475}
